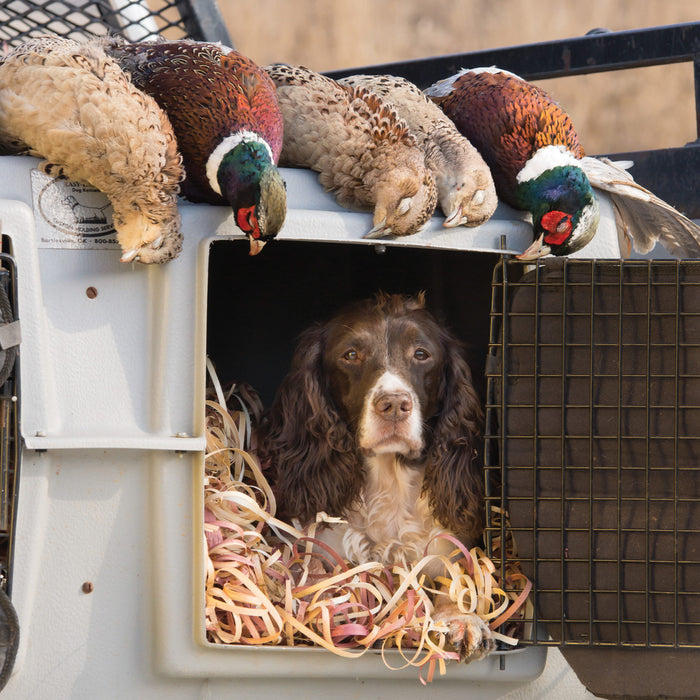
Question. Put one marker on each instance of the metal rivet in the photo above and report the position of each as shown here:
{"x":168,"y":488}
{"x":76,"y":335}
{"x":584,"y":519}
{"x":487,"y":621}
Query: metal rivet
{"x":91,"y":292}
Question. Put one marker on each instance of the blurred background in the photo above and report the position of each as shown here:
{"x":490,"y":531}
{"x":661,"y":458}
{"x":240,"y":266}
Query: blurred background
{"x":613,"y":112}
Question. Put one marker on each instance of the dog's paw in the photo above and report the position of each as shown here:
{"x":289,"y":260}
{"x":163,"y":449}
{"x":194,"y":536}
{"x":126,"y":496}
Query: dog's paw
{"x":467,"y":633}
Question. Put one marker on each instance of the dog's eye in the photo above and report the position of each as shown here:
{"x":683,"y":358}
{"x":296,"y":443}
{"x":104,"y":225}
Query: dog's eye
{"x":421,"y":355}
{"x":351,"y":356}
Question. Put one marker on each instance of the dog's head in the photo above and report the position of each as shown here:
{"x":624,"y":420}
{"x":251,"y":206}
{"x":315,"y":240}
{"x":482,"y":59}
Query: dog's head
{"x":381,"y":376}
{"x":383,"y":360}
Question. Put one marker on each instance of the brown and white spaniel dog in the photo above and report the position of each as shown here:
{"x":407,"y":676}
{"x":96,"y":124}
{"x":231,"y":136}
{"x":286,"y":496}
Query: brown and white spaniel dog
{"x":377,"y":422}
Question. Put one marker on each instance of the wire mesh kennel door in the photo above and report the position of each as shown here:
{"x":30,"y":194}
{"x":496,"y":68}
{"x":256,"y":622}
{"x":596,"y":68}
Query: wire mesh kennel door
{"x":593,"y":423}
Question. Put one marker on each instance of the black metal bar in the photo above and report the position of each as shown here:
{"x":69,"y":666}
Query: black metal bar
{"x":109,"y":17}
{"x":204,"y":21}
{"x":591,"y":424}
{"x":647,"y":474}
{"x":563,"y":571}
{"x":587,"y":54}
{"x":676,"y":432}
{"x":618,"y":503}
{"x":696,"y":76}
{"x":502,"y":443}
{"x":8,"y":263}
{"x":195,"y":19}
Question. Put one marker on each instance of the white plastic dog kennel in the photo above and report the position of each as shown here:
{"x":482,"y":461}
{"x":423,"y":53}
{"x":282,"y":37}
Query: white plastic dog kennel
{"x":107,"y":571}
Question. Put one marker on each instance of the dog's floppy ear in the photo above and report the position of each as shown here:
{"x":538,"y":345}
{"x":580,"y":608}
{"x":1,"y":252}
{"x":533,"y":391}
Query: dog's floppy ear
{"x":454,"y":477}
{"x":305,"y":445}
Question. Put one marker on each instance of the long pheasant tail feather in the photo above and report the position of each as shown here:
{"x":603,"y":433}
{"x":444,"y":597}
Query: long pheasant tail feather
{"x":649,"y":221}
{"x":640,"y":214}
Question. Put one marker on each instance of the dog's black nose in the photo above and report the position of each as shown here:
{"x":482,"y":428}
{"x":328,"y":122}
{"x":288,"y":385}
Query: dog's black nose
{"x":395,"y":406}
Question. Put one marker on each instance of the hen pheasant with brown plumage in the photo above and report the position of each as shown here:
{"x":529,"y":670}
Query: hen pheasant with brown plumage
{"x":361,"y":148}
{"x":466,"y":193}
{"x":71,"y":104}
{"x":223,"y":108}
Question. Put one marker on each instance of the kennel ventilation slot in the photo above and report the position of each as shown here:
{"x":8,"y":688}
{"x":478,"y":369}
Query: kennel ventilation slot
{"x":593,"y":447}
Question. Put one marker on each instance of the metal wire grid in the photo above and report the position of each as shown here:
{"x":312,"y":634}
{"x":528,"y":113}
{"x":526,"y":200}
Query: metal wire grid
{"x":592,"y":446}
{"x":9,"y":441}
{"x":136,"y":20}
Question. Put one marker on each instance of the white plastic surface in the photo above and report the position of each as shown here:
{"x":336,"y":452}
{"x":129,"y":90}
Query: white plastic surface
{"x":112,"y":385}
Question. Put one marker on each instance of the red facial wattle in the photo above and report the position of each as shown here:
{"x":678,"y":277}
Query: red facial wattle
{"x":247,"y":221}
{"x":558,"y":227}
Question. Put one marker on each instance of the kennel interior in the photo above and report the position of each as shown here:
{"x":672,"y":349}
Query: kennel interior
{"x":257,"y":307}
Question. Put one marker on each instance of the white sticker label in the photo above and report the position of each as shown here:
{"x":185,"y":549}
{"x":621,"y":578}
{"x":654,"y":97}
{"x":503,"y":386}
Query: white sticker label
{"x":71,"y":215}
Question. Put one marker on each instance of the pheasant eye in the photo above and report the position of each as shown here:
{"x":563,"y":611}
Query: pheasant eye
{"x":478,"y":198}
{"x":404,"y":206}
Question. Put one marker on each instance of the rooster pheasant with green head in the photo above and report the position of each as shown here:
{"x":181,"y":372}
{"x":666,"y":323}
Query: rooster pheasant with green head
{"x":224,"y":110}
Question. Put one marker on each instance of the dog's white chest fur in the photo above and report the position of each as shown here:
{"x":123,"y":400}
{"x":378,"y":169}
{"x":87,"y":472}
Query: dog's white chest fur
{"x":392,"y":522}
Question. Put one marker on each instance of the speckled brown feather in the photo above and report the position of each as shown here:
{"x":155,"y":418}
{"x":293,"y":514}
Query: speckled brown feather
{"x":465,"y":187}
{"x":506,"y":118}
{"x":71,"y":104}
{"x":362,"y":150}
{"x":208,"y":95}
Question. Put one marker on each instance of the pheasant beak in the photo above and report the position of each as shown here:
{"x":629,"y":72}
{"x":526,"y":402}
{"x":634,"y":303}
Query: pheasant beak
{"x":380,"y":230}
{"x":537,"y":250}
{"x":454,"y":219}
{"x":130,"y":255}
{"x":256,"y":245}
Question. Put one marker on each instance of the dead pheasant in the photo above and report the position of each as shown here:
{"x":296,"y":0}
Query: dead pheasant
{"x":539,"y":165}
{"x":361,"y":148}
{"x":71,"y":104}
{"x":466,"y":192}
{"x":223,"y":108}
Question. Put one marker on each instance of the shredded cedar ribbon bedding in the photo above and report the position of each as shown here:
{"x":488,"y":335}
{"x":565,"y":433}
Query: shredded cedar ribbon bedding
{"x":269,"y":583}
